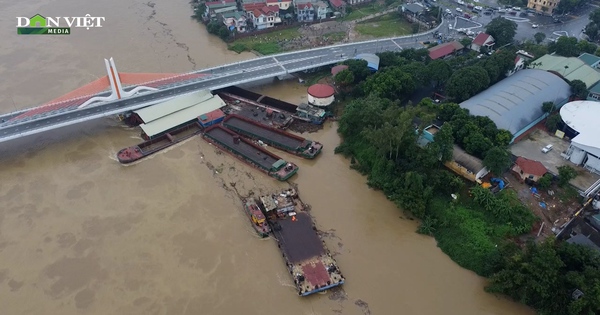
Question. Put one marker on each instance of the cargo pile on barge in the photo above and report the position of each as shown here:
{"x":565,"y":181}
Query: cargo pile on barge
{"x":250,"y":153}
{"x":277,"y":138}
{"x":309,"y":262}
{"x":146,"y":148}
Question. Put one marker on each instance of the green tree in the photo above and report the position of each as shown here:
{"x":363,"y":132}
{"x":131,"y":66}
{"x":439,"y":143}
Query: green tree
{"x":502,"y":30}
{"x":578,"y":89}
{"x":389,"y":59}
{"x":344,"y":78}
{"x":503,"y":138}
{"x":586,"y":47}
{"x":548,"y":107}
{"x":565,"y":174}
{"x":477,"y":144}
{"x":565,"y":46}
{"x":359,"y":69}
{"x":552,"y":122}
{"x":443,"y":143}
{"x":467,"y":82}
{"x":539,"y":37}
{"x":497,"y":159}
{"x":391,"y":83}
{"x":498,"y":64}
{"x":439,"y":71}
{"x":545,"y":181}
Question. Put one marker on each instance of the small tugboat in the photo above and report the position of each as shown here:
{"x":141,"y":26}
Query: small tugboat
{"x":259,"y":222}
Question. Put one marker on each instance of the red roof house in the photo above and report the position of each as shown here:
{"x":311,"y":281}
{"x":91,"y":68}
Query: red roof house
{"x":337,"y":4}
{"x":482,"y":40}
{"x":527,"y":169}
{"x":444,"y":50}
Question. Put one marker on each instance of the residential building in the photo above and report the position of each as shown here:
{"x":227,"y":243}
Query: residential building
{"x":520,"y":62}
{"x":545,"y":7}
{"x":305,"y":11}
{"x":484,"y":41}
{"x":357,"y":2}
{"x":413,"y":9}
{"x":590,"y":60}
{"x":570,"y":68}
{"x":321,"y":10}
{"x":265,"y":17}
{"x":594,"y":92}
{"x":528,"y":170}
{"x":248,"y":7}
{"x":282,"y":4}
{"x":234,"y":20}
{"x":216,"y":5}
{"x":338,"y":5}
{"x":445,"y":50}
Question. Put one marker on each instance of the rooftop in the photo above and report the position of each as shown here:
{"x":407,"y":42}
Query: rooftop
{"x":157,"y":111}
{"x":589,"y":59}
{"x":569,"y":68}
{"x":584,"y":117}
{"x":466,"y":160}
{"x":444,"y":50}
{"x":413,"y":8}
{"x":516,"y":101}
{"x":321,"y":90}
{"x":200,"y":106}
{"x":337,"y":69}
{"x":531,"y":166}
{"x":337,"y":3}
{"x":481,"y":39}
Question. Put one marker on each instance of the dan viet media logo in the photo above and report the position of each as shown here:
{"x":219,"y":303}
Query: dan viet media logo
{"x":39,"y":25}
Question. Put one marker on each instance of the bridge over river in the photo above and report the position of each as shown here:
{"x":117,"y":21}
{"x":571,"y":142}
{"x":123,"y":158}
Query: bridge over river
{"x":40,"y":119}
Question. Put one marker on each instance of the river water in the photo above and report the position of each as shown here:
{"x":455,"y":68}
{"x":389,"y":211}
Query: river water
{"x":81,"y":234}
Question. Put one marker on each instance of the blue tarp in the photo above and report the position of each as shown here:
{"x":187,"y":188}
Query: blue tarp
{"x":499,"y":181}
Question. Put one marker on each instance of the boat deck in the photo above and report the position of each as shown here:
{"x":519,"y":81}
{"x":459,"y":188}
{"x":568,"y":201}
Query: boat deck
{"x":255,"y":154}
{"x":266,"y":133}
{"x":298,"y":240}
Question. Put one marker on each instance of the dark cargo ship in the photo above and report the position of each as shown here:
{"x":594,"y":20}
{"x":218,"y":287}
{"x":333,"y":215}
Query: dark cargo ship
{"x":309,"y":262}
{"x":250,"y":153}
{"x":257,"y":218}
{"x":152,"y":146}
{"x":277,"y":138}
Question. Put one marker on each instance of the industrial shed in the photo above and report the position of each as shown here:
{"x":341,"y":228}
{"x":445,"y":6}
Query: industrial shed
{"x":371,"y":59}
{"x":583,"y":118}
{"x":515,"y":103}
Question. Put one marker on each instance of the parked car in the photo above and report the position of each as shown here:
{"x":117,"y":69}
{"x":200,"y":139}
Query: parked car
{"x":534,"y":25}
{"x":448,"y":11}
{"x":547,"y":148}
{"x":459,"y":10}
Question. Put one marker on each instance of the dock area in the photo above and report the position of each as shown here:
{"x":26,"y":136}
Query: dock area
{"x":308,"y":260}
{"x":250,"y":152}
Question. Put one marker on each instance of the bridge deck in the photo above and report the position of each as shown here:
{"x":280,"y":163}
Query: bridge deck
{"x":257,"y":155}
{"x":265,"y":133}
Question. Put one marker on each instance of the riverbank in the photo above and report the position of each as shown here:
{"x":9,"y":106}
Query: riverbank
{"x":361,"y":23}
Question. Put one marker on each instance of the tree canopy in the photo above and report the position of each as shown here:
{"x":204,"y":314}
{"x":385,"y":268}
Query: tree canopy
{"x":467,"y":82}
{"x":502,"y":30}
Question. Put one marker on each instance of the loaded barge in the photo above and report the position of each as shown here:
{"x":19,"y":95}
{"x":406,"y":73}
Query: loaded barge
{"x":237,"y":96}
{"x":309,"y":262}
{"x":277,"y":138}
{"x":146,"y":148}
{"x":250,"y":153}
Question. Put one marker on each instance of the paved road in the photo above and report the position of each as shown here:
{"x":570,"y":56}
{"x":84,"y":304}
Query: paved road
{"x":220,"y":77}
{"x":525,"y":31}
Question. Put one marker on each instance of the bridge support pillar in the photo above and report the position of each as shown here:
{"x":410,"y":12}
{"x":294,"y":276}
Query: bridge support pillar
{"x":116,"y":87}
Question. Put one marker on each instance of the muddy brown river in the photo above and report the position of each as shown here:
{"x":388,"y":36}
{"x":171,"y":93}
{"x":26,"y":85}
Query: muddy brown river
{"x":82,"y":234}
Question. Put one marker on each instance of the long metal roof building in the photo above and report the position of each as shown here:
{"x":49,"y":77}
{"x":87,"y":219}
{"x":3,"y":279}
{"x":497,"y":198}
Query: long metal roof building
{"x":200,"y":106}
{"x":152,"y":113}
{"x":569,"y":68}
{"x":515,"y":103}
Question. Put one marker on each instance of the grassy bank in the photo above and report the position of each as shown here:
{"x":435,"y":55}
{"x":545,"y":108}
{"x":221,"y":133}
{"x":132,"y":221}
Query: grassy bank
{"x":265,"y":44}
{"x":361,"y":12}
{"x":384,"y":26}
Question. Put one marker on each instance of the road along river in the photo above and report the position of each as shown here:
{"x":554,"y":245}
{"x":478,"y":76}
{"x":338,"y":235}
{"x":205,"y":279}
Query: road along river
{"x":82,"y":234}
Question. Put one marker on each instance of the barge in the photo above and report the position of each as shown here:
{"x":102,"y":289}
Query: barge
{"x":257,"y":218}
{"x":250,"y":153}
{"x":309,"y":262}
{"x":277,"y":138}
{"x":146,"y":148}
{"x":304,"y":112}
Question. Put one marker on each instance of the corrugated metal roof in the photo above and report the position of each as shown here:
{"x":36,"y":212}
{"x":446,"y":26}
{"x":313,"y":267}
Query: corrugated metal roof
{"x":515,"y":102}
{"x":589,"y":59}
{"x":175,"y":119}
{"x":157,"y":111}
{"x":466,"y":160}
{"x":570,"y":68}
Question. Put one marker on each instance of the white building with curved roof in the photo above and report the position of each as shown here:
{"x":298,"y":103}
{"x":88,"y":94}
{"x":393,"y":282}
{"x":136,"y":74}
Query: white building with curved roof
{"x":583,"y":117}
{"x":515,"y":103}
